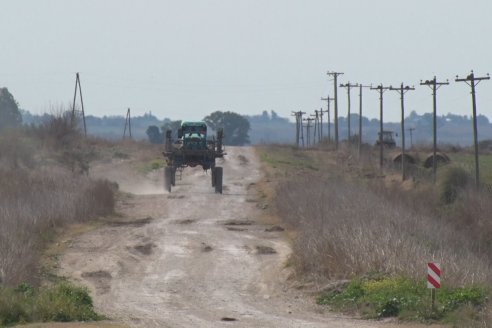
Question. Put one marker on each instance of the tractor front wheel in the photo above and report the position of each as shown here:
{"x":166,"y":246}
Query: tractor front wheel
{"x":218,"y":179}
{"x":168,"y":173}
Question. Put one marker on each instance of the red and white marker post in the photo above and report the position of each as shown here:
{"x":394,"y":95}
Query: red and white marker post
{"x":433,"y":279}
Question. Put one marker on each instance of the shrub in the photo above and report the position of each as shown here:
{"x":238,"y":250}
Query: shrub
{"x":61,"y":302}
{"x":452,"y":180}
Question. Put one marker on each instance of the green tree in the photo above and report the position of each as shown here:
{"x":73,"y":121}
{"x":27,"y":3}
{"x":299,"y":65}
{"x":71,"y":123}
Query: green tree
{"x":236,"y":127}
{"x":10,"y":115}
{"x":154,"y":134}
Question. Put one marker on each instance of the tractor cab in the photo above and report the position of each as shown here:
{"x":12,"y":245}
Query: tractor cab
{"x":388,"y":139}
{"x":193,"y":135}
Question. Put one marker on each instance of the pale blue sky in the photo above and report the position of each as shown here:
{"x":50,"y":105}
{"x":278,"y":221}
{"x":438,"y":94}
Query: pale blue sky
{"x":185,"y":58}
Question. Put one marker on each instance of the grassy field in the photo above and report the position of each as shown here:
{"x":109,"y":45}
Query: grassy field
{"x":349,"y":222}
{"x":467,"y":161}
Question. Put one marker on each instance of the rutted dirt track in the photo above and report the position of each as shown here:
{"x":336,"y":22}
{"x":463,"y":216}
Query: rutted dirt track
{"x":193,"y":258}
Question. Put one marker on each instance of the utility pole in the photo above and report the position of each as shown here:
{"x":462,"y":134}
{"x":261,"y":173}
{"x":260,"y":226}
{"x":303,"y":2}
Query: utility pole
{"x":299,"y":132}
{"x":316,"y":126}
{"x":321,"y":124}
{"x":79,"y":87}
{"x":348,"y":86}
{"x":328,"y":99}
{"x":297,"y":127}
{"x":128,"y":123}
{"x":360,"y":115}
{"x":335,"y":116}
{"x":411,"y":136}
{"x":308,"y":130}
{"x":402,"y":90}
{"x":381,"y":91}
{"x":434,"y":85}
{"x":472,"y":81}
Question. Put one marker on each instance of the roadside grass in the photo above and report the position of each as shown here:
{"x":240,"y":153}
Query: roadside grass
{"x":377,"y":298}
{"x":61,"y":302}
{"x":347,"y":222}
{"x":152,"y":165}
{"x":45,"y":188}
{"x":287,"y":157}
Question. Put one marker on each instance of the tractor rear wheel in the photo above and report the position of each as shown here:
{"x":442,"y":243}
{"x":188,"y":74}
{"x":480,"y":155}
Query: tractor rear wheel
{"x":212,"y":170}
{"x":218,"y":179}
{"x":168,"y":172}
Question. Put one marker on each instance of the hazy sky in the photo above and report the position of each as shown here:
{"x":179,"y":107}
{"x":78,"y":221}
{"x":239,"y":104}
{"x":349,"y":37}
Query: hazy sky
{"x":185,"y":58}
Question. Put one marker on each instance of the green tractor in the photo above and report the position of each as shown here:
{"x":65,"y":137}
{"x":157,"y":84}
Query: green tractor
{"x":192,"y":148}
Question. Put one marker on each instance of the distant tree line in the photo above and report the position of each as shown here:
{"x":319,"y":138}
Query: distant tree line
{"x":236,"y":128}
{"x":10,"y":115}
{"x":239,"y":129}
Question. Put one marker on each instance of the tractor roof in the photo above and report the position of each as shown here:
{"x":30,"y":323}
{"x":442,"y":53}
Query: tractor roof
{"x":201,"y":124}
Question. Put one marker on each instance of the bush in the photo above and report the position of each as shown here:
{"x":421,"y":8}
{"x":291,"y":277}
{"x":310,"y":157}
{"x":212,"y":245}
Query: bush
{"x":452,"y":179}
{"x":61,"y":302}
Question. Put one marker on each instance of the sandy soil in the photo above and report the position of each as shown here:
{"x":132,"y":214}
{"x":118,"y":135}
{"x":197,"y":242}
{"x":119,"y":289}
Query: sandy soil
{"x":193,"y":258}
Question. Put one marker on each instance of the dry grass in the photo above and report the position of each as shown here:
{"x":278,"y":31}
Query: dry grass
{"x":39,"y":192}
{"x":349,"y":223}
{"x":349,"y":230}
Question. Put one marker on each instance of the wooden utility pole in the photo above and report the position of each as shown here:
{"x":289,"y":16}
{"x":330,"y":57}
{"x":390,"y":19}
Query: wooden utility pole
{"x":381,"y":91}
{"x":299,"y":132}
{"x":335,"y":116}
{"x":79,"y":88}
{"x":411,"y":136}
{"x":308,"y":130}
{"x":402,"y":90}
{"x":128,"y":123}
{"x":348,"y":86}
{"x":328,"y":99}
{"x":472,"y":81}
{"x":434,"y":85}
{"x":360,"y":115}
{"x":297,"y":127}
{"x":316,"y":126}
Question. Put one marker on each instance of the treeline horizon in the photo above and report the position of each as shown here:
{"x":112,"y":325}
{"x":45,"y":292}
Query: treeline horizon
{"x":269,"y":127}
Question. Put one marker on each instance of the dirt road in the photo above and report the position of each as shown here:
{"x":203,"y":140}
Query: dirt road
{"x":193,"y":258}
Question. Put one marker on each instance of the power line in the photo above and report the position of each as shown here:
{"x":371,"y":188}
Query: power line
{"x":434,"y":85}
{"x":402,"y":90}
{"x":335,"y":116}
{"x":472,"y":81}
